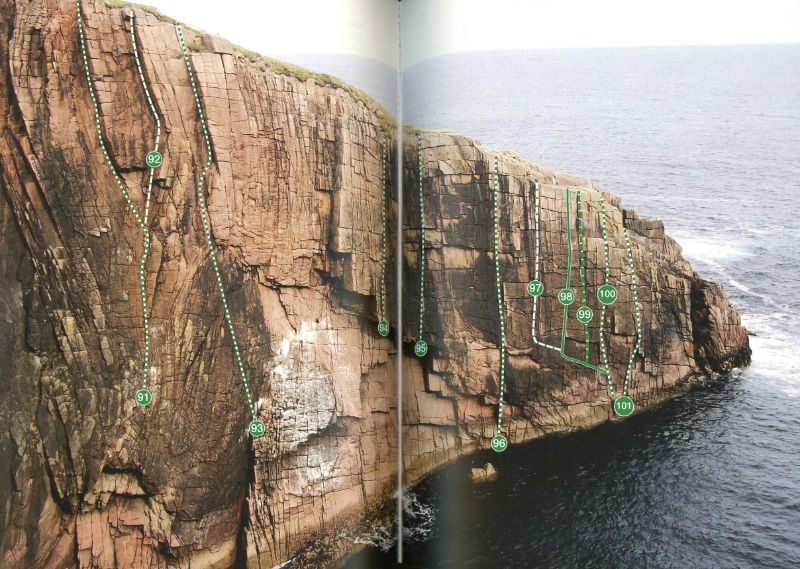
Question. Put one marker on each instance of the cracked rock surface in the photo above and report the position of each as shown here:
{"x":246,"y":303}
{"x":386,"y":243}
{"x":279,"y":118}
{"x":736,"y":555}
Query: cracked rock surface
{"x":91,"y":480}
{"x":88,"y":479}
{"x":688,"y":326}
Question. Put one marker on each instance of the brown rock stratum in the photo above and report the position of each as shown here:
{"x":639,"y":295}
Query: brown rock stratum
{"x":90,"y":480}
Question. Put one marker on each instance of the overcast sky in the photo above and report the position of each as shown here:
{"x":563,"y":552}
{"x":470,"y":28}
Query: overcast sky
{"x":276,"y":27}
{"x":436,"y":27}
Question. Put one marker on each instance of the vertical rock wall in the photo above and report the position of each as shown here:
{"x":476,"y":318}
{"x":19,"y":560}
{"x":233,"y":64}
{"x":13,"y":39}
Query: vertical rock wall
{"x":294,"y":205}
{"x":90,"y":480}
{"x":451,"y":394}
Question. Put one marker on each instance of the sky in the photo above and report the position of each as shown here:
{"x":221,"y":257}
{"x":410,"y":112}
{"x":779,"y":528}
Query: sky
{"x":436,"y":27}
{"x":278,"y":27}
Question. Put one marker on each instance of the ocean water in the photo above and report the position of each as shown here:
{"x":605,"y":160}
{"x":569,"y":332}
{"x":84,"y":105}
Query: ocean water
{"x":707,"y":139}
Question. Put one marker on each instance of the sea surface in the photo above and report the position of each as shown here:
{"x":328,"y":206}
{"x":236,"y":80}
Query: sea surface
{"x":708,"y":140}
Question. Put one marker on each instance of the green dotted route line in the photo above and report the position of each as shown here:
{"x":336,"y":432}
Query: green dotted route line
{"x":607,"y":277}
{"x":567,"y":286}
{"x":207,"y":228}
{"x":537,"y":249}
{"x":499,"y":289}
{"x":383,"y":230}
{"x":140,"y":221}
{"x":579,"y":215}
{"x":634,"y":286}
{"x":145,"y":254}
{"x":117,"y":179}
{"x":421,"y":240}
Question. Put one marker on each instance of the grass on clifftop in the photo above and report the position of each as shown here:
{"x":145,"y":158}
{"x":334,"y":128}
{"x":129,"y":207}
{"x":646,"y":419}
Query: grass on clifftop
{"x":387,"y":122}
{"x":149,"y":9}
{"x":301,"y":73}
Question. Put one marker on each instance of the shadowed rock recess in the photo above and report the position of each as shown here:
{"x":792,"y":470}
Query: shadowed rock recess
{"x":688,"y":326}
{"x":88,"y":479}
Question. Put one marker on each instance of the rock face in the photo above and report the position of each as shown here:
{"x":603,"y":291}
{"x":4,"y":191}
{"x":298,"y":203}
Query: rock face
{"x":90,"y":480}
{"x":485,"y":474}
{"x":688,"y":326}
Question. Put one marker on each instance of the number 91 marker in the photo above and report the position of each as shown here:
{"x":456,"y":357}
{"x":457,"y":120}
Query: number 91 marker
{"x":144,"y":397}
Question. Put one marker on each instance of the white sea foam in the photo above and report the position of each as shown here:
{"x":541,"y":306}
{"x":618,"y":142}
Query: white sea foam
{"x":418,"y":523}
{"x":710,"y":251}
{"x":740,"y":286}
{"x":776,"y":361}
{"x":418,"y":516}
{"x":713,"y":256}
{"x":380,"y":535}
{"x":726,"y":280}
{"x":775,"y":358}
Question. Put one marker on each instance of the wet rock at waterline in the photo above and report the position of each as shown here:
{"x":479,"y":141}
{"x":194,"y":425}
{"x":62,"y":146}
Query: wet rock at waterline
{"x":95,"y":479}
{"x":451,"y":403}
{"x":485,"y":474}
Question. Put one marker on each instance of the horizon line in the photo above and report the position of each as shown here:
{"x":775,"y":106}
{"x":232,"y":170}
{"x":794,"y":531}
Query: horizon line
{"x":537,"y":48}
{"x":587,"y":47}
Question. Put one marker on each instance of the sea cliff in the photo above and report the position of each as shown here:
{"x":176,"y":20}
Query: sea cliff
{"x":688,"y":327}
{"x":91,"y":479}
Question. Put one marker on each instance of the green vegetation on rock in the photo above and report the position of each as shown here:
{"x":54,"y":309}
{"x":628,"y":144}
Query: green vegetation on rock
{"x":387,"y":122}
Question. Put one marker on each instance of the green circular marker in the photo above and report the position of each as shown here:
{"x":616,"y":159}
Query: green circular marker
{"x":421,"y":348}
{"x":535,"y":288}
{"x":623,"y":406}
{"x":585,"y":314}
{"x":257,"y":428}
{"x":144,"y":397}
{"x":566,"y":296}
{"x":499,"y":443}
{"x":383,"y":328}
{"x":154,"y":159}
{"x":607,"y":294}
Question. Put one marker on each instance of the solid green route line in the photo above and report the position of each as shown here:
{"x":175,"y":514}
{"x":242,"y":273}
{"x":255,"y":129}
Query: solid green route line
{"x":566,"y":306}
{"x":569,"y":277}
{"x":140,"y":221}
{"x":537,"y":256}
{"x":382,"y":314}
{"x":499,"y":289}
{"x":207,"y":229}
{"x":607,"y":276}
{"x":579,"y":215}
{"x":634,"y":286}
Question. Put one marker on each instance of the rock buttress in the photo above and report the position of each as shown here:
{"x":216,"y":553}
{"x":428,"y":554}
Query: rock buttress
{"x":688,"y":326}
{"x":89,"y":479}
